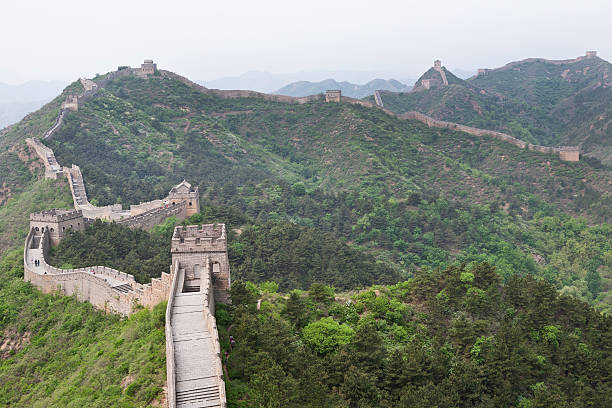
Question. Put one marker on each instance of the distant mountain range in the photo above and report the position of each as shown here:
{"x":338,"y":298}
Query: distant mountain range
{"x":16,"y":101}
{"x":268,"y":82}
{"x":304,"y":88}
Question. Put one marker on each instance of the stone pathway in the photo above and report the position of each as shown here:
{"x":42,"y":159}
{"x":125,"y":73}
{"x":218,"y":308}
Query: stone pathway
{"x":194,"y":355}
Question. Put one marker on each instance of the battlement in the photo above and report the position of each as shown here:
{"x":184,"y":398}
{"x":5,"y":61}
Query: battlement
{"x":333,"y":95}
{"x":56,"y":215}
{"x":568,"y":148}
{"x":148,"y":67}
{"x":199,"y":238}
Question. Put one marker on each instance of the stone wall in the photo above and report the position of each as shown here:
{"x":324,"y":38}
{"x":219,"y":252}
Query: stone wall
{"x":205,"y":245}
{"x":569,"y":153}
{"x":170,"y":364}
{"x":156,"y":216}
{"x":136,"y":209}
{"x":52,"y":169}
{"x":99,"y":285}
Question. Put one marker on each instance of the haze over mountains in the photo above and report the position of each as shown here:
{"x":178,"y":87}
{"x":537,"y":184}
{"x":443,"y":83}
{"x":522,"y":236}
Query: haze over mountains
{"x":305,"y":88}
{"x":18,"y":100}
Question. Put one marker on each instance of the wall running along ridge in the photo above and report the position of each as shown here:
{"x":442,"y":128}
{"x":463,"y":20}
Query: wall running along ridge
{"x":191,"y":329}
{"x":105,"y":288}
{"x":566,"y":153}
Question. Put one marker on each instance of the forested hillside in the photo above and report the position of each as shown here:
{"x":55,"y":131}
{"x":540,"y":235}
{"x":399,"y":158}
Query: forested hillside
{"x":450,"y":338}
{"x":539,"y":101}
{"x":410,"y":195}
{"x":418,"y":266}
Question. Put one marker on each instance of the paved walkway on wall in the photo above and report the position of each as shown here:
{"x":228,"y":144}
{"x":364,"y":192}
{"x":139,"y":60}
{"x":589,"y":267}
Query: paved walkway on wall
{"x":378,"y":99}
{"x":194,"y":355}
{"x":43,"y":268}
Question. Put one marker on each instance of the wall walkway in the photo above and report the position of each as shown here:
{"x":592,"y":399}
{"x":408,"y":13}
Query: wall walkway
{"x":105,"y":288}
{"x":194,"y":370}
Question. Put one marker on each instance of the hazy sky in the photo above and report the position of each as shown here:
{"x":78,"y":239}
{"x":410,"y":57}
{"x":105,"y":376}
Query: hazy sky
{"x":66,"y":39}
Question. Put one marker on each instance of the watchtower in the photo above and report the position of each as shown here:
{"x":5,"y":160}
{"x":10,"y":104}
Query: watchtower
{"x":148,"y":67}
{"x":71,"y":103}
{"x":437,"y":64}
{"x":483,"y":71}
{"x":187,"y":193}
{"x":333,"y":95}
{"x":56,"y":222}
{"x":199,"y":250}
{"x":569,"y":153}
{"x":591,"y":54}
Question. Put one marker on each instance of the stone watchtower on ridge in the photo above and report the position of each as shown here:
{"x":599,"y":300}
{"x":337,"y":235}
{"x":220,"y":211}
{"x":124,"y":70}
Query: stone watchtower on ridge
{"x":199,"y":250}
{"x":333,"y":95}
{"x":148,"y":67}
{"x":187,"y":193}
{"x":56,"y":222}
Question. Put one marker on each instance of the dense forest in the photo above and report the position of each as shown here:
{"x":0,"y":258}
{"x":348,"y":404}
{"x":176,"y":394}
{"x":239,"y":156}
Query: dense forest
{"x":446,"y":338}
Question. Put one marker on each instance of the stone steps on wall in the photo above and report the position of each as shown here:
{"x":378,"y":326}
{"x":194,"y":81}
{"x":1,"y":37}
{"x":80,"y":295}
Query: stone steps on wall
{"x":125,"y":288}
{"x":195,"y":395}
{"x":195,"y":358}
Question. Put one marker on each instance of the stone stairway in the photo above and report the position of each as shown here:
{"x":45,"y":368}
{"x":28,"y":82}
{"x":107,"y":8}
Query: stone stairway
{"x":194,"y":355}
{"x":125,"y":288}
{"x":378,"y":99}
{"x":443,"y":75}
{"x":56,"y":125}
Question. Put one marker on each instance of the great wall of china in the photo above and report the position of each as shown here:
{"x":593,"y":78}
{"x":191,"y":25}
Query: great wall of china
{"x":199,"y":273}
{"x":198,"y":276}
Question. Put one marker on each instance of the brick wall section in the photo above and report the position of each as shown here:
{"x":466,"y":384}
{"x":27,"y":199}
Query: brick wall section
{"x":568,"y":153}
{"x":92,"y":284}
{"x":156,"y":216}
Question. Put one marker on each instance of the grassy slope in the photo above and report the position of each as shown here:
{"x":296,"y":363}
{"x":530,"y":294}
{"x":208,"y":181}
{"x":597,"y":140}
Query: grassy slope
{"x":71,"y":355}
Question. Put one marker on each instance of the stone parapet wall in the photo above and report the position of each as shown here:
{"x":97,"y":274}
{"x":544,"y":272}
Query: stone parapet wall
{"x":52,"y":169}
{"x":93,"y":284}
{"x":170,"y":364}
{"x":155,"y":216}
{"x":137,"y":209}
{"x":564,"y":153}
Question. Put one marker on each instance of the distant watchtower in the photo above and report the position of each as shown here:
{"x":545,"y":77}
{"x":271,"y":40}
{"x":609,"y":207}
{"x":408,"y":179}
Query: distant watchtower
{"x":333,"y":95}
{"x":483,"y":71}
{"x":71,"y":103}
{"x":148,"y":67}
{"x":437,"y":64}
{"x":190,"y":195}
{"x":591,"y":54}
{"x":199,"y":250}
{"x":57,"y":222}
